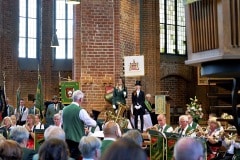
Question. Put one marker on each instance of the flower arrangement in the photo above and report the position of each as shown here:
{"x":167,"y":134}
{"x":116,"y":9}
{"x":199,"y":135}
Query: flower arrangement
{"x":194,"y":109}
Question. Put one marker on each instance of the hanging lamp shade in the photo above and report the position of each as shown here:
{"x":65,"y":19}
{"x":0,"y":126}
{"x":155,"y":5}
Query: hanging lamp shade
{"x":73,"y":1}
{"x":54,"y":42}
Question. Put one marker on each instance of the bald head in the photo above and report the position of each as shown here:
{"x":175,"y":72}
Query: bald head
{"x":161,"y":118}
{"x":188,"y":148}
{"x":111,"y":129}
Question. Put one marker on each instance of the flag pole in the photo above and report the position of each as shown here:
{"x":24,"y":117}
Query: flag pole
{"x":39,"y":95}
{"x":4,"y":83}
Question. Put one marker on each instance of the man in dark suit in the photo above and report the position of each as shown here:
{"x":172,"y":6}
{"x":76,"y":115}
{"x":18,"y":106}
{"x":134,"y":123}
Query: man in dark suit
{"x":9,"y":110}
{"x":138,"y":98}
{"x":52,"y":109}
{"x":34,"y":110}
{"x":21,"y":112}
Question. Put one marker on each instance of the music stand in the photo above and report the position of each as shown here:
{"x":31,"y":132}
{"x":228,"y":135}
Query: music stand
{"x":38,"y":138}
{"x":158,"y":144}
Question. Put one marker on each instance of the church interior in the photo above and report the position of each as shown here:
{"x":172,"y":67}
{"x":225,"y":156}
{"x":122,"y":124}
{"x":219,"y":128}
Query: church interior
{"x":189,"y":50}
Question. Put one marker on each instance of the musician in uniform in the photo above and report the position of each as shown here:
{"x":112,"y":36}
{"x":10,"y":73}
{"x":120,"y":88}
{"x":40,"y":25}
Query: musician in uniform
{"x":184,"y":129}
{"x":198,"y":129}
{"x":230,"y":145}
{"x":119,"y":94}
{"x":162,"y":126}
{"x":212,"y":136}
{"x":138,"y":98}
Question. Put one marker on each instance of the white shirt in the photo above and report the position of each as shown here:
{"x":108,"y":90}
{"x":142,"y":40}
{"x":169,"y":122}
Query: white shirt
{"x":169,"y":130}
{"x":84,"y":116}
{"x":39,"y":126}
{"x":24,"y":114}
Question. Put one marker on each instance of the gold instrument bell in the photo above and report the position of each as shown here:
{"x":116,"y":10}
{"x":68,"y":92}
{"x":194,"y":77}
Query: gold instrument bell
{"x":108,"y":97}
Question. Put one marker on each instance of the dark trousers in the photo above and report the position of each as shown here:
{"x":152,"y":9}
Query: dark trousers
{"x":136,"y":121}
{"x":73,"y":149}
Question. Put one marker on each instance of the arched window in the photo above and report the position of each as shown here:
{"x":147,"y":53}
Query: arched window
{"x":172,"y":27}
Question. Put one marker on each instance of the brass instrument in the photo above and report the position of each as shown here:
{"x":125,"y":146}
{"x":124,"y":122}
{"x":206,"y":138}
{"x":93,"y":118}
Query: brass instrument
{"x":108,"y":97}
{"x":118,"y":117}
{"x":189,"y":133}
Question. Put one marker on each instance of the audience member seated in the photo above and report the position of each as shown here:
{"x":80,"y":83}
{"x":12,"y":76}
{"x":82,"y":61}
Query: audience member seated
{"x":124,"y":149}
{"x":53,"y":149}
{"x":112,"y":132}
{"x":6,"y":126}
{"x":52,"y":132}
{"x":10,"y":150}
{"x":135,"y":135}
{"x":14,"y":120}
{"x":30,"y":122}
{"x":21,"y":135}
{"x":188,"y":148}
{"x":57,"y":120}
{"x":89,"y":147}
{"x":38,"y":124}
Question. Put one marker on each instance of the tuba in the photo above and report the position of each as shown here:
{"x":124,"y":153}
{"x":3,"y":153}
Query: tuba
{"x":118,"y":117}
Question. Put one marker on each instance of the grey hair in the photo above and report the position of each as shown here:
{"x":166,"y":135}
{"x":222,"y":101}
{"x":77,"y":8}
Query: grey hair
{"x":57,"y":115}
{"x":88,"y":145}
{"x":54,"y":132}
{"x":188,"y":148}
{"x":184,"y":117}
{"x":148,"y":95}
{"x":19,"y":134}
{"x":135,"y":135}
{"x":77,"y":95}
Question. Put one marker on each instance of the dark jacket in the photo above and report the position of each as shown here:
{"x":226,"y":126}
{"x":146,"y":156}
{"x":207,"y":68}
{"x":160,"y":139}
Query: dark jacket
{"x":138,"y":100}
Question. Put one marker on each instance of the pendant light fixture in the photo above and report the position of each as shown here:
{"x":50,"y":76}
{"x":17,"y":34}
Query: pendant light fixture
{"x":73,"y":1}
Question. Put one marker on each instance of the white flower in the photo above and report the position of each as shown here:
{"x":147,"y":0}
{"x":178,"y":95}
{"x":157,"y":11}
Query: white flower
{"x":194,"y":108}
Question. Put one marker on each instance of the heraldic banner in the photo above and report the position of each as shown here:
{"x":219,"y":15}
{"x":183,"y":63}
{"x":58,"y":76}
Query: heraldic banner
{"x":67,"y":88}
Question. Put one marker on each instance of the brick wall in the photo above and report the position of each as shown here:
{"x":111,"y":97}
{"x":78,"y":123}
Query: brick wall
{"x":105,"y":31}
{"x":15,"y":76}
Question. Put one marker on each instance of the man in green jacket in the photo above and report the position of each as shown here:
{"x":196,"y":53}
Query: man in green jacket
{"x":111,"y":131}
